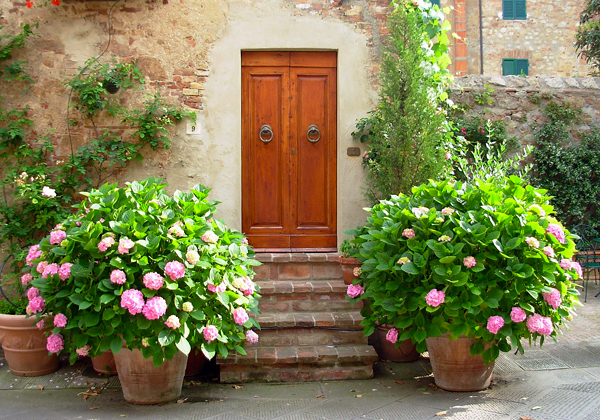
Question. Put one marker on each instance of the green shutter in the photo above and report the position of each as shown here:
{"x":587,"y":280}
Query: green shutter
{"x":509,"y":66}
{"x":522,"y":67}
{"x":435,"y":2}
{"x":508,"y":9}
{"x":520,"y":9}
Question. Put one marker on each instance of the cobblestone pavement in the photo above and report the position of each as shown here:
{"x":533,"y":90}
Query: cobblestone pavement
{"x":557,"y":382}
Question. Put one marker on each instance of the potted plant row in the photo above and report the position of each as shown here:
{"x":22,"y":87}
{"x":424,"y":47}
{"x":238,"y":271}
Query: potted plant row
{"x":467,"y":270}
{"x":148,"y":276}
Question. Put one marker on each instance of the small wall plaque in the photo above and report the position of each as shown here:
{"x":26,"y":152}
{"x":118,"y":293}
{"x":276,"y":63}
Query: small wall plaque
{"x":353,"y":151}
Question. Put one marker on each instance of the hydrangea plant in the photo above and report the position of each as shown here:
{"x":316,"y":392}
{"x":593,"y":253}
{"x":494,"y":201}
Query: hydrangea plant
{"x":484,"y":259}
{"x":137,"y":267}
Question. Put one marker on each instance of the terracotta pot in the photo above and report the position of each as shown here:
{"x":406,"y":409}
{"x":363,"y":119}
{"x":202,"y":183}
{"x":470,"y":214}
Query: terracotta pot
{"x":105,"y":363}
{"x":405,"y":352}
{"x":348,"y":265}
{"x":144,"y":383}
{"x":454,"y":369}
{"x":195,"y":363}
{"x":25,"y":346}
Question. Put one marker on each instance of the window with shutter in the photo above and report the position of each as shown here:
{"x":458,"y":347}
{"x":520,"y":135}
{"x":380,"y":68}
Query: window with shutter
{"x":436,"y":2}
{"x":515,"y":67}
{"x":514,"y":9}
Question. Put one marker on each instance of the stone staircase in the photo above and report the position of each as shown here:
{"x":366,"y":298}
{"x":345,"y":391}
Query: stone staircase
{"x":309,"y":331}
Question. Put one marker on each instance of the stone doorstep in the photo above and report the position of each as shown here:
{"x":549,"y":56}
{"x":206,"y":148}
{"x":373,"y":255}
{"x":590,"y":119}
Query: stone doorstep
{"x":350,"y":320}
{"x":298,"y":266}
{"x":314,"y":356}
{"x":287,"y":287}
{"x":300,"y":373}
{"x":297,"y":257}
{"x":308,"y":337}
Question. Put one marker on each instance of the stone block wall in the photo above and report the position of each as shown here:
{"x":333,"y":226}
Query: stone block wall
{"x":520,"y":101}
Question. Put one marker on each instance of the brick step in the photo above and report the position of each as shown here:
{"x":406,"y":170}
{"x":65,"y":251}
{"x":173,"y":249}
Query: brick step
{"x":305,"y":296}
{"x":350,"y":320}
{"x":298,"y":266}
{"x":292,"y":364}
{"x":308,"y":337}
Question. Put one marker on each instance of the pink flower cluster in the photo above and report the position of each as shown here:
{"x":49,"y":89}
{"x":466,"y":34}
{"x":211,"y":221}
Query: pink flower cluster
{"x":240,"y":316}
{"x":55,"y":343}
{"x":173,"y":322}
{"x":51,"y":270}
{"x":244,"y":284}
{"x":251,"y":337}
{"x":532,"y":242}
{"x":517,"y":314}
{"x":408,"y":233}
{"x":210,"y":333}
{"x":494,"y":324}
{"x":133,"y":301}
{"x":553,"y":298}
{"x":125,"y":244}
{"x":469,"y":262}
{"x":557,"y":232}
{"x":176,"y":230}
{"x":57,"y":236}
{"x":435,"y":298}
{"x":60,"y":320}
{"x":568,"y":265}
{"x":26,"y":279}
{"x":175,"y":270}
{"x":32,"y":293}
{"x":37,"y":304}
{"x":154,"y":308}
{"x":540,"y":324}
{"x":106,"y":243}
{"x":64,"y":271}
{"x":118,"y":277}
{"x":33,"y":254}
{"x":153,"y":281}
{"x":210,"y":237}
{"x":83,"y":351}
{"x":549,"y":251}
{"x":214,"y":289}
{"x":392,"y":335}
{"x":192,"y":257}
{"x":357,"y":271}
{"x":355,"y":290}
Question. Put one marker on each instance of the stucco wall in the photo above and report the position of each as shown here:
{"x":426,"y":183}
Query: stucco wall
{"x":191,"y":52}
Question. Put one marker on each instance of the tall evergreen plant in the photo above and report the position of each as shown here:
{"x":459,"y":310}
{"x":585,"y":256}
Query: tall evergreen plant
{"x":407,"y":131}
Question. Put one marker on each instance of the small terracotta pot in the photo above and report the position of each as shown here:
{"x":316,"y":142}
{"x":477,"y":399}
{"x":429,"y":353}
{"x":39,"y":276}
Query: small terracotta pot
{"x":105,"y":363}
{"x":144,"y":383}
{"x":24,"y":346}
{"x":348,"y":265}
{"x":454,"y":369}
{"x":405,"y":352}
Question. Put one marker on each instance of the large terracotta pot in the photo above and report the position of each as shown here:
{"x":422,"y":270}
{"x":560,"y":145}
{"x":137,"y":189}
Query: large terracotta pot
{"x":348,"y":265}
{"x":24,"y":346}
{"x":454,"y":369}
{"x":105,"y":363}
{"x":144,"y":383}
{"x":405,"y":352}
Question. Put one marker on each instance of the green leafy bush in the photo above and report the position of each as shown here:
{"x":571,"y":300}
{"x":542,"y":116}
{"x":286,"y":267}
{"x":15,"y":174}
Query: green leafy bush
{"x":483,"y":259}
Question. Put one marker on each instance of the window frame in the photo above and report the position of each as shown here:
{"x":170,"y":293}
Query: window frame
{"x":518,"y":62}
{"x":514,"y":9}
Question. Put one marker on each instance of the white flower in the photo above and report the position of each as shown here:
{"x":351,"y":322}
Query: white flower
{"x":48,"y":192}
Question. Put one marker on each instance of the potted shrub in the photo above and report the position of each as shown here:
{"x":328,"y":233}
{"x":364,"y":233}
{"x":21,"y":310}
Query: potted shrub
{"x":478,"y":265}
{"x":150,"y":277}
{"x":350,"y":264}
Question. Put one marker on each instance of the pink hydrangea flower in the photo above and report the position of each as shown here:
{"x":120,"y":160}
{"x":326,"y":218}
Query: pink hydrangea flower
{"x":355,"y":290}
{"x":176,"y":231}
{"x":125,"y":244}
{"x":408,"y":233}
{"x":40,"y":324}
{"x":240,"y":316}
{"x":403,"y":260}
{"x":447,"y":211}
{"x":106,"y":243}
{"x":60,"y":320}
{"x":41,"y":266}
{"x":153,"y":281}
{"x":64,"y":271}
{"x":57,"y":236}
{"x":55,"y":343}
{"x":392,"y":335}
{"x":532,"y":242}
{"x":83,"y":351}
{"x":155,"y":308}
{"x":118,"y":277}
{"x":175,"y":270}
{"x":210,"y":333}
{"x":534,"y":323}
{"x":553,"y":298}
{"x":192,"y":257}
{"x":50,"y":270}
{"x":32,"y":293}
{"x":214,"y":289}
{"x":33,"y":254}
{"x":517,"y":314}
{"x":173,"y":322}
{"x":494,"y":324}
{"x":356,"y":271}
{"x":248,"y":286}
{"x":133,"y":301}
{"x":565,"y":264}
{"x":26,"y":279}
{"x":577,"y":267}
{"x":549,"y":251}
{"x":251,"y":337}
{"x":210,"y":237}
{"x":547,"y":327}
{"x":244,"y":241}
{"x":557,"y":232}
{"x":435,"y":297}
{"x":469,"y":262}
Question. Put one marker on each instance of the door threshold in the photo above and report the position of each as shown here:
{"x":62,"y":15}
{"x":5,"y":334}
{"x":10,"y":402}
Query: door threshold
{"x":293,"y":250}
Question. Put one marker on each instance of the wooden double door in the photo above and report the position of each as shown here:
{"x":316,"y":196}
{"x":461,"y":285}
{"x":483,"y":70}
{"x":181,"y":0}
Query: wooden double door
{"x":289,"y":150}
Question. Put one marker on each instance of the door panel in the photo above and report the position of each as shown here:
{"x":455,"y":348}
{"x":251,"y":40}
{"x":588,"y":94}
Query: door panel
{"x":289,"y":181}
